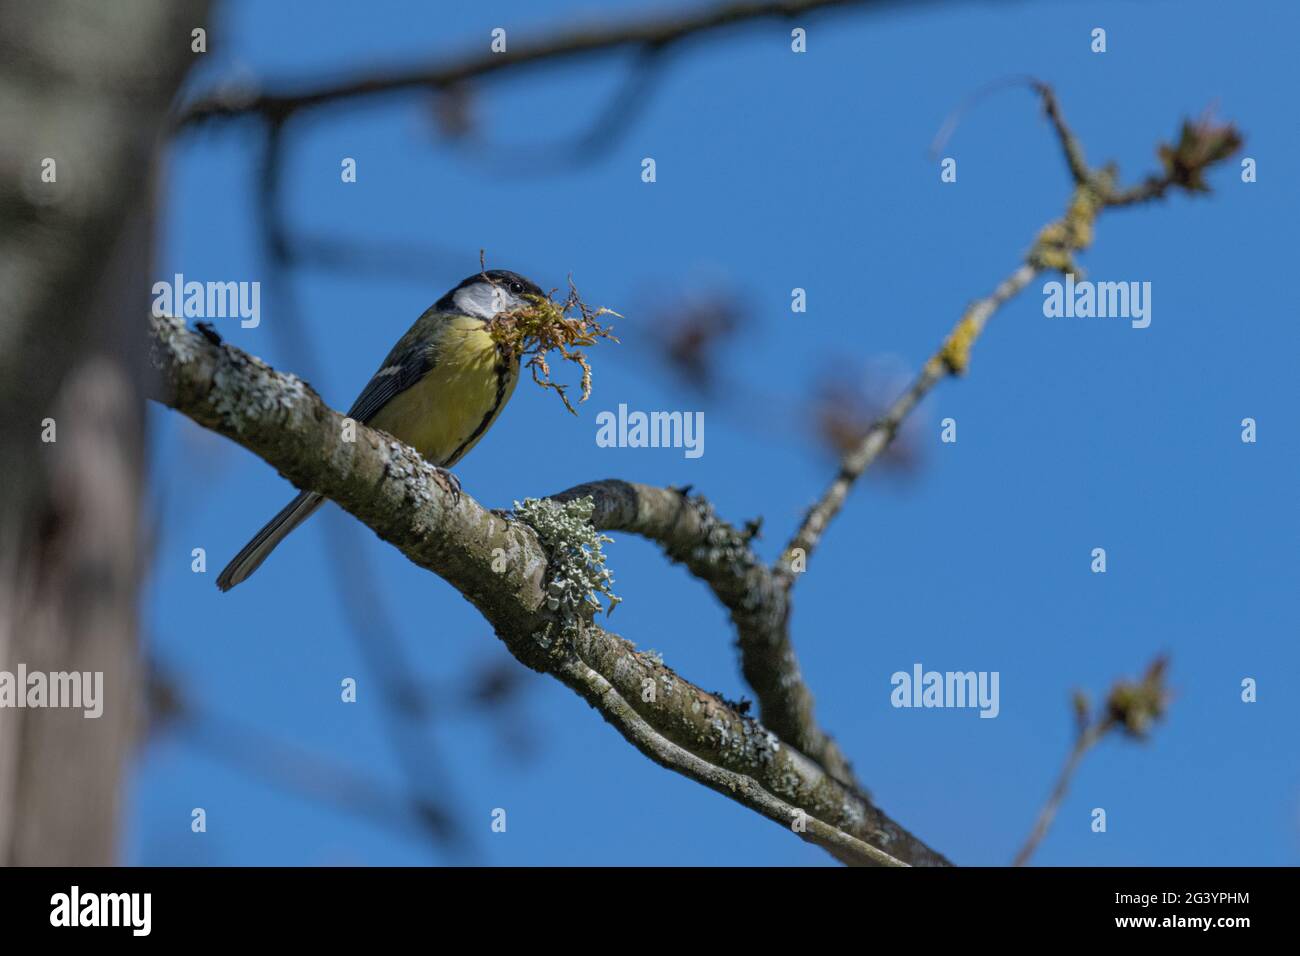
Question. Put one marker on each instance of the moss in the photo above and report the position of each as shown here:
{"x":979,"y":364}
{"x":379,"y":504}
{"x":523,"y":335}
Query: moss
{"x":545,"y":326}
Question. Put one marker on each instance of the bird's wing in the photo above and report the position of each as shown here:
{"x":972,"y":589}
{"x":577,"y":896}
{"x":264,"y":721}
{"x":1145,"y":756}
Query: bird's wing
{"x":408,"y":362}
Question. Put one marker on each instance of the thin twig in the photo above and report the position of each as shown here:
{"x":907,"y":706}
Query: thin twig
{"x":1131,"y":707}
{"x":1201,"y":145}
{"x":1073,"y":149}
{"x":878,"y":437}
{"x":1084,"y":742}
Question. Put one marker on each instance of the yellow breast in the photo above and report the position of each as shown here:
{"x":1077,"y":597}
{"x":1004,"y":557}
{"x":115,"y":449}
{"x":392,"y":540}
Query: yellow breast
{"x":447,"y":412}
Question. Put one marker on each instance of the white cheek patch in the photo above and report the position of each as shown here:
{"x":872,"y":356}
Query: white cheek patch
{"x":482,"y":300}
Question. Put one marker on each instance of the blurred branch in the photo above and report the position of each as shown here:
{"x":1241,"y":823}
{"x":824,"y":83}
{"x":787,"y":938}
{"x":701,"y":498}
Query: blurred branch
{"x":394,"y":257}
{"x":300,"y":772}
{"x":689,"y":332}
{"x":500,"y":566}
{"x":845,"y":407}
{"x":1131,"y":707}
{"x":404,"y":719}
{"x":654,"y":34}
{"x":303,"y":774}
{"x":291,"y":768}
{"x":623,"y":107}
{"x":369,"y":625}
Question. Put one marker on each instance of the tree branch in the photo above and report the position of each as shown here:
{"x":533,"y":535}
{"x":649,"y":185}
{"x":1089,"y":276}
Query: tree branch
{"x":951,"y":357}
{"x":649,"y":35}
{"x":720,"y":555}
{"x":410,"y":504}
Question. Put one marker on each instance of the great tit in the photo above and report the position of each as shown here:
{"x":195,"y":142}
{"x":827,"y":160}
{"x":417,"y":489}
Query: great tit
{"x":440,"y":389}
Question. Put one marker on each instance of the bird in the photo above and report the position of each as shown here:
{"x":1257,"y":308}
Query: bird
{"x":440,"y":389}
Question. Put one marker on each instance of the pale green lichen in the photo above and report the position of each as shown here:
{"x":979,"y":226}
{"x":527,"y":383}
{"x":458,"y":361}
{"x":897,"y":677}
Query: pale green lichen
{"x":405,"y":467}
{"x":247,"y":391}
{"x":173,"y":342}
{"x":577,"y":577}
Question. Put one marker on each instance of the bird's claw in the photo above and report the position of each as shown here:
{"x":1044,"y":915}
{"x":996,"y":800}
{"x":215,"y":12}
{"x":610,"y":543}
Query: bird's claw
{"x":451,"y":482}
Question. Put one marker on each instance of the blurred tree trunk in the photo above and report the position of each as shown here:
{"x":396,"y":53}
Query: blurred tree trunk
{"x":85,"y":85}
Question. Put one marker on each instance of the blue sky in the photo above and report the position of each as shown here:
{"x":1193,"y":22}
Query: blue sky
{"x":774,"y":171}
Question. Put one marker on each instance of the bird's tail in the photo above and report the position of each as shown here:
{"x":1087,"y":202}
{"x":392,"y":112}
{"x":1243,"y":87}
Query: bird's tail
{"x":264,"y":542}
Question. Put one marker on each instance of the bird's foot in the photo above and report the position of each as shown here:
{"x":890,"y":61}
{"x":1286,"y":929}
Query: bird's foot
{"x":449,"y":481}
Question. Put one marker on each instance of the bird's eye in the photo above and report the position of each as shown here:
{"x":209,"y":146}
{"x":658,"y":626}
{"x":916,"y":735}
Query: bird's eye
{"x":516,"y":287}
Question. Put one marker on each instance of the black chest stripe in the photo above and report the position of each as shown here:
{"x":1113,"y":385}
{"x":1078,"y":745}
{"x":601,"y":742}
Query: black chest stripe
{"x":503,"y":381}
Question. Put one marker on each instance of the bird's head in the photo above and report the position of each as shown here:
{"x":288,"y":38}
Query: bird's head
{"x":485,"y":295}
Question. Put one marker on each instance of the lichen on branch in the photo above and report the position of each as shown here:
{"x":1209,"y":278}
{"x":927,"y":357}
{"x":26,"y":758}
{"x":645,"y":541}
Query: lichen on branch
{"x":577,"y":577}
